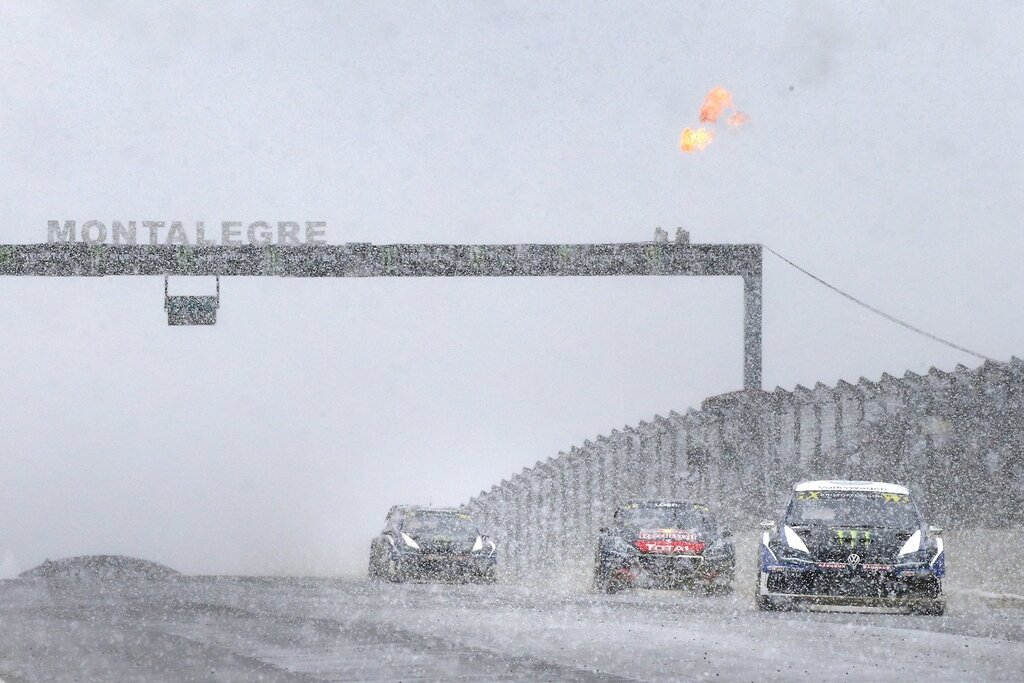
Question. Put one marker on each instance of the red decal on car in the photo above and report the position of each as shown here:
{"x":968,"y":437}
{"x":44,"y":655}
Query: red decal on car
{"x":669,"y":547}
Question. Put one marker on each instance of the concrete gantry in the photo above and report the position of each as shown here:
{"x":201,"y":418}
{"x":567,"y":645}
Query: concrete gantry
{"x":360,"y":259}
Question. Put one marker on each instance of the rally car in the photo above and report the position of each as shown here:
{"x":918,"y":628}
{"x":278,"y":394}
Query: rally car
{"x":432,"y":543}
{"x":663,"y":544}
{"x":844,"y":545}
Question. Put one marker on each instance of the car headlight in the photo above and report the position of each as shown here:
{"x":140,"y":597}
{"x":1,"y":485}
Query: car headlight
{"x":410,"y":541}
{"x":794,"y":555}
{"x":484,"y":544}
{"x":619,"y":546}
{"x":787,"y":553}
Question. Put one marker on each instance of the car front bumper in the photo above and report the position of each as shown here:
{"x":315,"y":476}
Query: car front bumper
{"x":656,"y":570}
{"x":828,"y":586}
{"x":454,"y":566}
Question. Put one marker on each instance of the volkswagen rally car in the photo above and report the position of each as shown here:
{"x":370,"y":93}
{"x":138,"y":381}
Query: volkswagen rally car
{"x":844,"y":545}
{"x":663,"y":544}
{"x":432,"y":543}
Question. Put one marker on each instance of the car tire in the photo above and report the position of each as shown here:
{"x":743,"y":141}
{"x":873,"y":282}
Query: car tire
{"x":394,"y":571}
{"x":933,"y":608}
{"x":604,"y":583}
{"x":765,"y":603}
{"x":716,"y":588}
{"x":373,"y":570}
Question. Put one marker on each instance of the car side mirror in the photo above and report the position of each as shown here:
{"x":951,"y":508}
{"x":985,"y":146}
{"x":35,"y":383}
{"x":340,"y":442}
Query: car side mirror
{"x":603,"y":530}
{"x":767,"y":525}
{"x":726,"y":534}
{"x":935,"y":531}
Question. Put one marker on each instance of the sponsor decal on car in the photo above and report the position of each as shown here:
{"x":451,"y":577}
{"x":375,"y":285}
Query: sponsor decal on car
{"x":854,"y":565}
{"x":669,"y":547}
{"x":667,"y":534}
{"x":853,"y":537}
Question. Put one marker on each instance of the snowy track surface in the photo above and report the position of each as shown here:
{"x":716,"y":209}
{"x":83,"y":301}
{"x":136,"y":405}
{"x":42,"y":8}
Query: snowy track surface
{"x":287,"y":629}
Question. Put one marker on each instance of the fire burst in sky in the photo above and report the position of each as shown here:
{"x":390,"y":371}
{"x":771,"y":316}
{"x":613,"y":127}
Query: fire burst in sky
{"x":693,"y":140}
{"x":717,"y":102}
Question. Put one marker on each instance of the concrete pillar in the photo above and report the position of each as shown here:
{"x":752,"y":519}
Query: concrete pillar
{"x":752,"y":323}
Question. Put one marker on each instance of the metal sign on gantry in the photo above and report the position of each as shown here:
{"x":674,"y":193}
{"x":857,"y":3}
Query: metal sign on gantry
{"x":659,"y":258}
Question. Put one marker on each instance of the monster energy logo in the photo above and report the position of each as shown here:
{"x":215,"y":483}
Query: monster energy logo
{"x":852,"y":537}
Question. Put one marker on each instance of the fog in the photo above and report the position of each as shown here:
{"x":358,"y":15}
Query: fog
{"x":882,"y":153}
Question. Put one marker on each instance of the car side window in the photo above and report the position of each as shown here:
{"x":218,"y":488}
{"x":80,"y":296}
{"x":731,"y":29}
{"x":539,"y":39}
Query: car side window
{"x":394,"y":517}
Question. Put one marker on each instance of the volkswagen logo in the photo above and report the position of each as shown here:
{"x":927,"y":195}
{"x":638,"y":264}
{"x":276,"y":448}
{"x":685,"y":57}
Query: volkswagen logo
{"x":853,"y":560}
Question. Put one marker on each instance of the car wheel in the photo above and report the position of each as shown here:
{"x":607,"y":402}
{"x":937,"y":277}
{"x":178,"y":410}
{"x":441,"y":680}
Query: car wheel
{"x":394,"y":572}
{"x":604,"y":582}
{"x":765,"y":603}
{"x":713,"y":588}
{"x":373,"y":570}
{"x":934,"y":608}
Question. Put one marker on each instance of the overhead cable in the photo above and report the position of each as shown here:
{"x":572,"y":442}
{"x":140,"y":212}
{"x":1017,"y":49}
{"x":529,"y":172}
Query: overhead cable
{"x":890,"y":318}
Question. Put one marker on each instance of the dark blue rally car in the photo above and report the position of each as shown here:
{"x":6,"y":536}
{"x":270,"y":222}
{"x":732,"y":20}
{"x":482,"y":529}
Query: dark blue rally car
{"x":851,"y":545}
{"x":432,"y":543}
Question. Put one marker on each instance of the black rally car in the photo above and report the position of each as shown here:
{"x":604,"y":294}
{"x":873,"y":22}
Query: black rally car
{"x":663,"y":544}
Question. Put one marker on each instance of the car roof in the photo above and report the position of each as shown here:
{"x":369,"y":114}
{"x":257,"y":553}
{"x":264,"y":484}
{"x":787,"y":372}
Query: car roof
{"x":849,"y":485}
{"x":423,"y":508}
{"x":660,"y":503}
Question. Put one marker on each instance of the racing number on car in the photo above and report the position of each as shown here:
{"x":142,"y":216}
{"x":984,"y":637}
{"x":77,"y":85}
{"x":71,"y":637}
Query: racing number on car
{"x":808,"y":495}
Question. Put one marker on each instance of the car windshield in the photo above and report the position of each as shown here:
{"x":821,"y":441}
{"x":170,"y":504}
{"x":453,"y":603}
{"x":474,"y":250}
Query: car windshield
{"x":426,"y":524}
{"x":666,"y":517}
{"x":853,"y":508}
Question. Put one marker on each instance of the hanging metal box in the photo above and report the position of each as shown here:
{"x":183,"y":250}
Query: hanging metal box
{"x":191,"y":309}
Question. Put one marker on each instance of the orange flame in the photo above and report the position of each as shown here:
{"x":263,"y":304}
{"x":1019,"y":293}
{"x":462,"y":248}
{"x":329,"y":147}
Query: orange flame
{"x":693,"y":140}
{"x":717,"y":100}
{"x":738,"y":119}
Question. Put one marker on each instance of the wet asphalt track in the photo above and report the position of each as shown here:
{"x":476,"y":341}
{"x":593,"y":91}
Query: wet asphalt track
{"x":287,"y":629}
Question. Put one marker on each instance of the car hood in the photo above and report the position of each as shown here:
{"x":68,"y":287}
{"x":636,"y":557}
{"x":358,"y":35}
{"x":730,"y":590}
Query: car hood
{"x":828,"y":543}
{"x":440,"y":543}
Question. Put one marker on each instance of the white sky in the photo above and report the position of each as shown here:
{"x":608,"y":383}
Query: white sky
{"x":883,"y":153}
